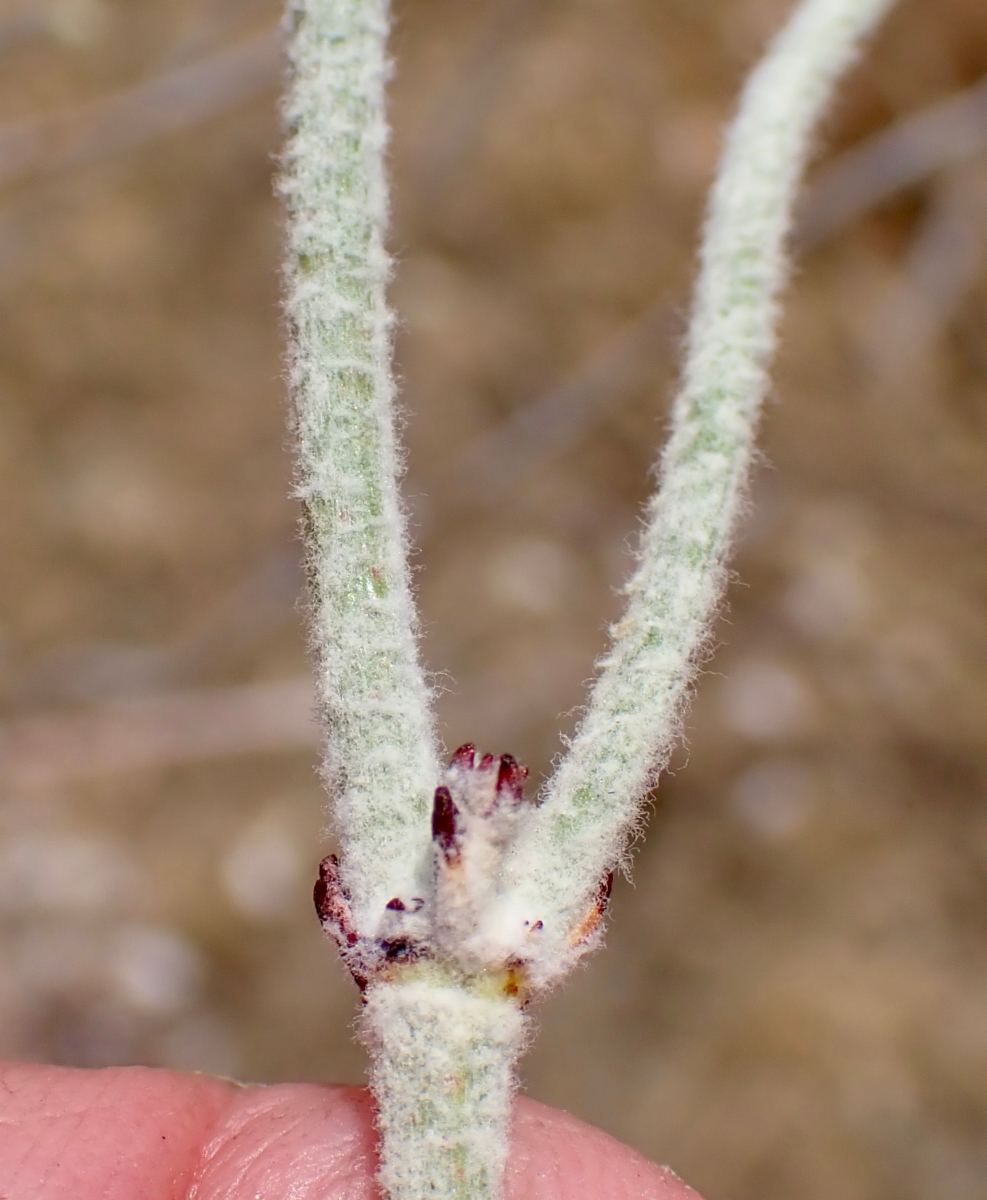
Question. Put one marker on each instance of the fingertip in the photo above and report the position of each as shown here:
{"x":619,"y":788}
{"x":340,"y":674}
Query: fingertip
{"x":555,"y":1156}
{"x":111,"y":1133}
{"x":304,"y":1140}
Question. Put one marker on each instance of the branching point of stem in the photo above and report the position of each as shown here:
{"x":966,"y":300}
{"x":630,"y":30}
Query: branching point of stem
{"x":454,"y":899}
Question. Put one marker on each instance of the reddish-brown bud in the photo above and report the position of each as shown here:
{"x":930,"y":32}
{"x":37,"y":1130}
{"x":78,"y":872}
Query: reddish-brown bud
{"x":591,"y":921}
{"x":464,"y":757}
{"x":444,"y":814}
{"x":332,"y":904}
{"x":510,"y":778}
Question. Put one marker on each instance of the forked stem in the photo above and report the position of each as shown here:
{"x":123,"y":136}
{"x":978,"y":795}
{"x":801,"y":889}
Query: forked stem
{"x":450,"y":929}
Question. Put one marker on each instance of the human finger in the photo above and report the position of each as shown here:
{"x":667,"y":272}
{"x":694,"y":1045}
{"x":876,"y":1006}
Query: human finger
{"x":124,"y":1132}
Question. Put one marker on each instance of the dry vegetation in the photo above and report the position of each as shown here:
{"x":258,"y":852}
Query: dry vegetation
{"x":794,"y":998}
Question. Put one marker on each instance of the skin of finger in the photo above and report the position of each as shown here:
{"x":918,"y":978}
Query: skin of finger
{"x":135,"y":1133}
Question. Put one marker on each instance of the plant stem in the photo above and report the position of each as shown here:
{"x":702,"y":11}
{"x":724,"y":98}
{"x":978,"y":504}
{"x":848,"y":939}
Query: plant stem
{"x":443,"y":1063}
{"x":380,"y":760}
{"x":448,"y":939}
{"x":592,"y":803}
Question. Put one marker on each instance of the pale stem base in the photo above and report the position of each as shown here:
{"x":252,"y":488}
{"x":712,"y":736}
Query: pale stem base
{"x":443,"y":1075}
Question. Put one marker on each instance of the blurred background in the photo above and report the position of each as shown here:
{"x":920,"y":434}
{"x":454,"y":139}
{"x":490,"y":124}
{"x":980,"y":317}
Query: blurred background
{"x":793,"y":1001}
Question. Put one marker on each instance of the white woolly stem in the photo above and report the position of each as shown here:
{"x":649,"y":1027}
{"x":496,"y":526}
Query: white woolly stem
{"x":380,"y":756}
{"x":448,"y":940}
{"x":594,"y":799}
{"x":443,"y":1062}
